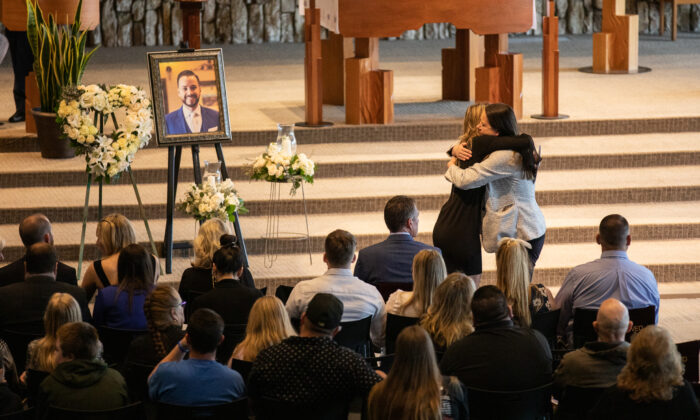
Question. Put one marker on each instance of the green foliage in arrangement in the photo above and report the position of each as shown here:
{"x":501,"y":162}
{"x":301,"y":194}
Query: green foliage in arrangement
{"x":59,"y":53}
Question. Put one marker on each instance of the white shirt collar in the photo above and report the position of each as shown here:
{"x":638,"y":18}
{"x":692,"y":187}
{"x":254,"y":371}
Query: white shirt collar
{"x":188,"y":112}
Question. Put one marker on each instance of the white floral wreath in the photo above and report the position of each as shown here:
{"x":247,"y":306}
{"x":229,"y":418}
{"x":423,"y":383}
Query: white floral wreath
{"x":83,"y":113}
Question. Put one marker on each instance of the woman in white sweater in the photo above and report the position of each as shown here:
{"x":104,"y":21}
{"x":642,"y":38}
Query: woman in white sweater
{"x":428,"y":272}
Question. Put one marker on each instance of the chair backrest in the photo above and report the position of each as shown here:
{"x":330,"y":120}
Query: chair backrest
{"x":243,"y":367}
{"x":575,"y":402}
{"x":386,"y":288}
{"x":355,"y":336}
{"x":18,"y":338}
{"x":235,"y":410}
{"x":136,"y":377}
{"x":27,"y":414}
{"x":116,"y":343}
{"x":33,"y":380}
{"x":641,"y":317}
{"x":271,"y":409}
{"x":394,"y":325}
{"x":583,"y":326}
{"x":263,"y":291}
{"x":282,"y":292}
{"x":689,"y":357}
{"x":233,"y":334}
{"x":546,"y":323}
{"x":129,"y":412}
{"x":513,"y":405}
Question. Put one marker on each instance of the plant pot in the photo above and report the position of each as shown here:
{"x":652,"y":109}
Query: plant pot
{"x":48,"y":131}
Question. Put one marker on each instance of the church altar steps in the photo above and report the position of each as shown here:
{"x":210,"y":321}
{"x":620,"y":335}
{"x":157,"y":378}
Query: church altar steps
{"x":399,"y":158}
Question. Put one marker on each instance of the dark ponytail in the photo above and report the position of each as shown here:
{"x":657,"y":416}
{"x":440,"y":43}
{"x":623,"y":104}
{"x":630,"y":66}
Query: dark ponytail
{"x":228,"y":258}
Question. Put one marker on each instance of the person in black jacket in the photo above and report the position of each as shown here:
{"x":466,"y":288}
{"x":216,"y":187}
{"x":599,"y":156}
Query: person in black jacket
{"x":35,"y":229}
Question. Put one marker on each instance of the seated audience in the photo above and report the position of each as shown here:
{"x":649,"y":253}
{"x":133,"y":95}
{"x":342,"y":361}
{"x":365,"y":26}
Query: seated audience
{"x":230,"y":298}
{"x":164,"y":316}
{"x":498,"y":355}
{"x":312,"y":370}
{"x":428,"y":272}
{"x":513,"y":278}
{"x":35,"y":229}
{"x":9,"y":401}
{"x":199,"y":380}
{"x":268,"y":325}
{"x":651,"y":384}
{"x":449,"y":318}
{"x":24,"y":303}
{"x":122,"y":306}
{"x":198,"y":278}
{"x":597,"y":364}
{"x":81,"y":381}
{"x":391,"y":259}
{"x":114,"y":233}
{"x":611,"y":276}
{"x":414,"y":388}
{"x":7,"y":362}
{"x":361,"y":300}
{"x":61,"y":309}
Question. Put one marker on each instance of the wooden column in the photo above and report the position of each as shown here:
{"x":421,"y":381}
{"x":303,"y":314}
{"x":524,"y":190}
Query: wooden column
{"x":550,"y":65}
{"x":312,"y":66}
{"x":459,"y":66}
{"x":192,"y":22}
{"x":334,"y":51}
{"x":616,"y":48}
{"x":501,"y":77}
{"x":368,"y":90}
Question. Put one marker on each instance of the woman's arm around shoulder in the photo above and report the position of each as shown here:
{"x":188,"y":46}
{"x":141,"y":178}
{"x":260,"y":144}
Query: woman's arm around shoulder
{"x":497,"y":165}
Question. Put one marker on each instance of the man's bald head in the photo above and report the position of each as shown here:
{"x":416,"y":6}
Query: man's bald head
{"x":34,"y":229}
{"x":612,"y":322}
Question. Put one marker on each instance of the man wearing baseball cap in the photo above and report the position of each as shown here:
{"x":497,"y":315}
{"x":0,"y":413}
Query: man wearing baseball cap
{"x":311,"y":372}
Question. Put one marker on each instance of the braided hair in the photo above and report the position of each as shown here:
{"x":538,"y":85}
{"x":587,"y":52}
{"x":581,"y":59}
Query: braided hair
{"x":157,"y":309}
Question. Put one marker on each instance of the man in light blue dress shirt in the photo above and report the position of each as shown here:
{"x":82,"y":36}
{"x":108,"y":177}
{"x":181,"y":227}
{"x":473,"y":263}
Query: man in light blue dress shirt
{"x":611,"y":276}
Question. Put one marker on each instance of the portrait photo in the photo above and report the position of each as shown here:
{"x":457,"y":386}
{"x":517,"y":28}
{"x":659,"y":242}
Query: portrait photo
{"x":189,"y":97}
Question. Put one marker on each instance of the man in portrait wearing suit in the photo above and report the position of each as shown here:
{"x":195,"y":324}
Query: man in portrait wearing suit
{"x":191,"y":117}
{"x":35,"y":229}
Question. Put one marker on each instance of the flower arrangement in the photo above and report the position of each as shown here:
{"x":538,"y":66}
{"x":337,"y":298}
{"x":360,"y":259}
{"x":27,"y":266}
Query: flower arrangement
{"x":212,"y":200}
{"x":278,"y":164}
{"x":83,"y":113}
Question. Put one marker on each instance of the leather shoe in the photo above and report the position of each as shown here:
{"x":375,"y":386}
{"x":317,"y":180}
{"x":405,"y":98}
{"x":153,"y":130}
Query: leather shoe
{"x":17,"y":117}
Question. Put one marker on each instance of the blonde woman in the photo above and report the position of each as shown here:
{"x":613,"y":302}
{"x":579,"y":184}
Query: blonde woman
{"x":61,"y":309}
{"x":114,"y":232}
{"x":449,"y":318}
{"x":268,"y":324}
{"x":513,"y":278}
{"x":651,"y":384}
{"x":428,"y":272}
{"x":198,"y":278}
{"x":414,"y":388}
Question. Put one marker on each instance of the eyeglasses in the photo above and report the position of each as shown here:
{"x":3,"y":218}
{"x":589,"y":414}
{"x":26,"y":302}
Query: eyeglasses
{"x":182,"y":304}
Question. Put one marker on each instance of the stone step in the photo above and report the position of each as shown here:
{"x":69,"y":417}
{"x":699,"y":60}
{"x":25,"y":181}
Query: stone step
{"x":566,"y":224}
{"x":366,"y":194}
{"x":400,"y":158}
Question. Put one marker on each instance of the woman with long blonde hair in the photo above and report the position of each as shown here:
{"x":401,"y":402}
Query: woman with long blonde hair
{"x":513,"y":278}
{"x":449,"y":318}
{"x":61,"y":309}
{"x":268,"y":324}
{"x":414,"y":388}
{"x":428,"y":272}
{"x":651,"y":385}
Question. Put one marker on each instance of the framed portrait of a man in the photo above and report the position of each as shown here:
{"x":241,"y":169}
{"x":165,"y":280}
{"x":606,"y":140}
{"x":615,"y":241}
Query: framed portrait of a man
{"x":189,"y":97}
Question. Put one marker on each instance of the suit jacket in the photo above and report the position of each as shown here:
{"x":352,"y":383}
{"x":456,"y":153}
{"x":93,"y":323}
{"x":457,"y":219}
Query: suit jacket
{"x":25,"y":302}
{"x":176,"y":124}
{"x":511,"y":208}
{"x":14,"y":273}
{"x":390,"y":260}
{"x":230,"y":299}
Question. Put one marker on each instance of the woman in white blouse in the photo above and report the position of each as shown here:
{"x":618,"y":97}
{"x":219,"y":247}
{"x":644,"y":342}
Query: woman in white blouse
{"x":428,"y":272}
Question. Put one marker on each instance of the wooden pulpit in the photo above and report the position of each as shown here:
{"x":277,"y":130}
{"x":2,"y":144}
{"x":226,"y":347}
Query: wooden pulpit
{"x":616,"y":48}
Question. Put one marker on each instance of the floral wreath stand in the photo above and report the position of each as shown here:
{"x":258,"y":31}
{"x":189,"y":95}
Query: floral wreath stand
{"x":273,"y":237}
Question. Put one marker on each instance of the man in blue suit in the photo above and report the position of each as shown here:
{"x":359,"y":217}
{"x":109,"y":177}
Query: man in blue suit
{"x":392,"y":259}
{"x":191,"y":117}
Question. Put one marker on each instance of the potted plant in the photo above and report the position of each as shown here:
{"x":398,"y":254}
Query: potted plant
{"x":59,"y":61}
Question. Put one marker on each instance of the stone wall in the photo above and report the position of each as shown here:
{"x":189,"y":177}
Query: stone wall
{"x":159,"y":22}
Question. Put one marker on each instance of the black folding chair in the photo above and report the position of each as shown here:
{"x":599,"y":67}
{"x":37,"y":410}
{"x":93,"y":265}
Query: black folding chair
{"x":263,"y":291}
{"x":575,"y":402}
{"x":282,"y":292}
{"x":394,"y":325}
{"x":243,"y":367}
{"x":355,"y":336}
{"x":136,"y":377}
{"x":27,"y":414}
{"x":583,"y":326}
{"x":233,"y":334}
{"x":18,"y":338}
{"x":546,"y":323}
{"x":689,"y":357}
{"x":116,"y":342}
{"x":272,"y":409}
{"x":33,"y":380}
{"x":641,"y":317}
{"x":235,"y":410}
{"x":129,"y":412}
{"x":386,"y":288}
{"x":529,"y":404}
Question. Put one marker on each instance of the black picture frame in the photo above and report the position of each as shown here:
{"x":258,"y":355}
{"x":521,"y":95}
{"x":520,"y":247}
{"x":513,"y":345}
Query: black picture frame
{"x":171,"y":129}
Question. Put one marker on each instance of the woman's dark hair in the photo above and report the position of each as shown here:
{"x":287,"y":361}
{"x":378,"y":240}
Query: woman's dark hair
{"x":134,"y":271}
{"x":502,"y":119}
{"x":228,"y":258}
